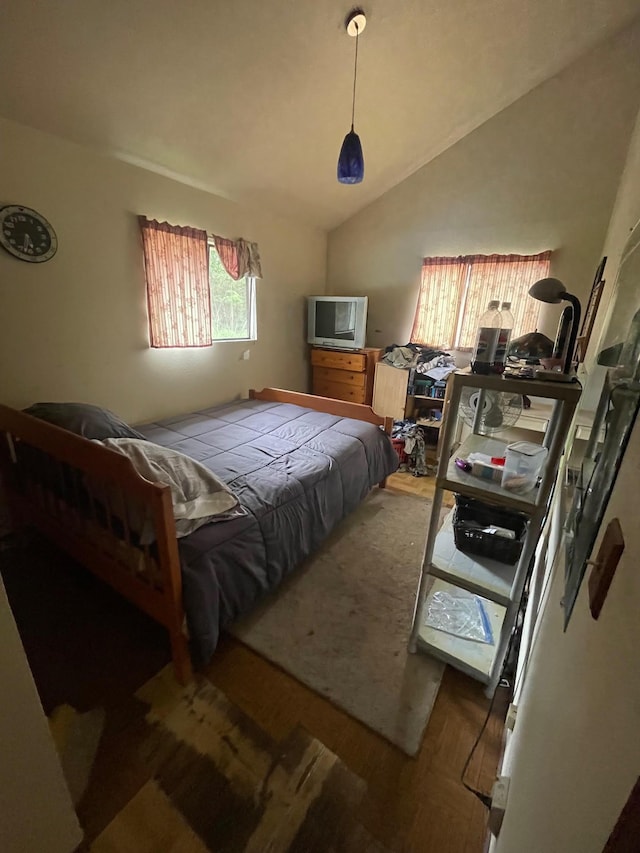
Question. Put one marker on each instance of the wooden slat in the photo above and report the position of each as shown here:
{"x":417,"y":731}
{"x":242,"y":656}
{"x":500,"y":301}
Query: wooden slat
{"x":150,"y":601}
{"x":169,"y":562}
{"x":99,"y":547}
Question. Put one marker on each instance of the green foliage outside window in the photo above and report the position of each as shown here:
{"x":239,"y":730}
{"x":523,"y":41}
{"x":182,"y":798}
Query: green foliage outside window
{"x":230,"y":302}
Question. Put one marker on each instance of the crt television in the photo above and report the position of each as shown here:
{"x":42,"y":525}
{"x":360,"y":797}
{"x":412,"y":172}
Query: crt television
{"x":337,"y":321}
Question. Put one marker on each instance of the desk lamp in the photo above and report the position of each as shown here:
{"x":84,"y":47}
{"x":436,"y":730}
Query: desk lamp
{"x":553,"y":291}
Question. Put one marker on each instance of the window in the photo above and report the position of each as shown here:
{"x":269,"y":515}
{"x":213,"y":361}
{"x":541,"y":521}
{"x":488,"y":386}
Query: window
{"x":454,"y":292}
{"x":233,"y":303}
{"x":200,"y":288}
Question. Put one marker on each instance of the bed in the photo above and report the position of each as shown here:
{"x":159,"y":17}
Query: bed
{"x":297,"y":463}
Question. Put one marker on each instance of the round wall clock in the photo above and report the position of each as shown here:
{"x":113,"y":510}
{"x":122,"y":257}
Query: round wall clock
{"x":26,"y":234}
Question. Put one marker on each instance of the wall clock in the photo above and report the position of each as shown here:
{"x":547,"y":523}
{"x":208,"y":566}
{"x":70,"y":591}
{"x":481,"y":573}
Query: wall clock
{"x":26,"y":234}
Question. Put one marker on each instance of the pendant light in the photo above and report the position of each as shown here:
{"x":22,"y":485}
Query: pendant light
{"x":351,"y":161}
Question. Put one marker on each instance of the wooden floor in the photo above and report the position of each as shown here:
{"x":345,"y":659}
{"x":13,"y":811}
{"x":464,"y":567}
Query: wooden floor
{"x":410,"y":805}
{"x":416,"y":805}
{"x":422,"y":486}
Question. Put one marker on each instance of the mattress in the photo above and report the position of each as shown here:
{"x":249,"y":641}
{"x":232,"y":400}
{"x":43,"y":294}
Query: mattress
{"x":296,"y":472}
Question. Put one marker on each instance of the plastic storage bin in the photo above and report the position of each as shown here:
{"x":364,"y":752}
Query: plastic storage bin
{"x":523,"y":464}
{"x":469,"y":519}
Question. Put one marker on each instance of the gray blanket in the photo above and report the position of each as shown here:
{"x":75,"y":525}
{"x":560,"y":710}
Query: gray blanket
{"x":297,"y":473}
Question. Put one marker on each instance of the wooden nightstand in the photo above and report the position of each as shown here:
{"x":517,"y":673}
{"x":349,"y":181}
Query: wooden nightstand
{"x":344,"y":375}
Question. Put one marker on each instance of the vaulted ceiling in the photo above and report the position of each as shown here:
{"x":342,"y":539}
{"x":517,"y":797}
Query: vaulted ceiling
{"x":250,"y":99}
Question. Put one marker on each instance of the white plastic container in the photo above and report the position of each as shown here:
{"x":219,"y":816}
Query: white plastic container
{"x":523,"y":464}
{"x":483,"y":467}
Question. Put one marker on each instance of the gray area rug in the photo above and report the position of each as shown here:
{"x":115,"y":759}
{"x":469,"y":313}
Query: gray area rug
{"x":340,"y":624}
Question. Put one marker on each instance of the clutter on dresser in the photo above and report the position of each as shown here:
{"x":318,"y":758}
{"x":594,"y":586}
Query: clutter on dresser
{"x":428,"y":361}
{"x":410,"y":386}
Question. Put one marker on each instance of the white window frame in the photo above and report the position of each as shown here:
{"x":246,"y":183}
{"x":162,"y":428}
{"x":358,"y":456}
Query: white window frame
{"x":250,"y":283}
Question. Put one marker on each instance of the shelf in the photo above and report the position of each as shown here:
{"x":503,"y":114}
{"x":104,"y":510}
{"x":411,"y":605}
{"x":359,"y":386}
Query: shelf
{"x":446,"y":568}
{"x":430,"y":424}
{"x":470,"y":656}
{"x":532,"y":419}
{"x":474,"y":487}
{"x":566,"y":391}
{"x":538,"y":417}
{"x":481,"y":575}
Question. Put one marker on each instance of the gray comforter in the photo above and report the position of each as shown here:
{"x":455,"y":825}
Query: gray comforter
{"x":297,"y":473}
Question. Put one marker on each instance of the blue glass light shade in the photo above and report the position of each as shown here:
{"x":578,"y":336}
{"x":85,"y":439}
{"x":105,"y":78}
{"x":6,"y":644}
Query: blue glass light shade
{"x":351,"y":161}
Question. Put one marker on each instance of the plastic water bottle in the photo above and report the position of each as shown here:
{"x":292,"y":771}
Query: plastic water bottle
{"x":504,"y":337}
{"x":489,"y":327}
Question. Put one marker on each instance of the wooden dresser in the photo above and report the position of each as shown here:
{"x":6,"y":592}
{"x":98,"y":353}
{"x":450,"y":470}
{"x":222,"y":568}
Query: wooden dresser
{"x":344,"y":375}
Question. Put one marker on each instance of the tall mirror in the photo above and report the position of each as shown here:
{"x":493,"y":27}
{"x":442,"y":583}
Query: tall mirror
{"x":614,"y":420}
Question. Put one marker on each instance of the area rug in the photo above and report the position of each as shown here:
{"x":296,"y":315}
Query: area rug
{"x":341,"y":623}
{"x":215,"y":781}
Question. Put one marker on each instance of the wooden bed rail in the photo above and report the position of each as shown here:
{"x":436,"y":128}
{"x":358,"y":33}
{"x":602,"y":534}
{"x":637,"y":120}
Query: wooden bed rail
{"x":89,"y":499}
{"x":340,"y":408}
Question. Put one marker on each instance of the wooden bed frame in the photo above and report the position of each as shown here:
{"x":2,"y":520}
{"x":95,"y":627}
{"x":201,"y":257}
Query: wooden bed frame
{"x":82,"y":496}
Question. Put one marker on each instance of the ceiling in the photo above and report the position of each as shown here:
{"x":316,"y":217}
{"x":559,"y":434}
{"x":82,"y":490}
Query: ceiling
{"x":250,"y":99}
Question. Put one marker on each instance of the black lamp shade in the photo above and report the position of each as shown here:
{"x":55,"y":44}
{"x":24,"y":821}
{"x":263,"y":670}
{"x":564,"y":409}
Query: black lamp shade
{"x":351,"y":161}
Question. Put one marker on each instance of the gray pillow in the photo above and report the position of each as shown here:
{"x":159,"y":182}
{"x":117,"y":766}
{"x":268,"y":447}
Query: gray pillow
{"x":84,"y":419}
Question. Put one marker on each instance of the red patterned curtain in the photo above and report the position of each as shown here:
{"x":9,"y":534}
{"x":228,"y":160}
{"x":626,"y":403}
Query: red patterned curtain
{"x":439,"y":298}
{"x":508,"y":279}
{"x":455,"y":291}
{"x":178,"y":295}
{"x":240,"y":258}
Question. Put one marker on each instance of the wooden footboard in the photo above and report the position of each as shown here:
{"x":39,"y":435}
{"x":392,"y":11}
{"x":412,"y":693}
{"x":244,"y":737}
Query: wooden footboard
{"x":341,"y":408}
{"x":93,"y":504}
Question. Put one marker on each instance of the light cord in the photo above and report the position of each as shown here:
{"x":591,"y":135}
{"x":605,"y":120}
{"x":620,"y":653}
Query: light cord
{"x":355,"y":77}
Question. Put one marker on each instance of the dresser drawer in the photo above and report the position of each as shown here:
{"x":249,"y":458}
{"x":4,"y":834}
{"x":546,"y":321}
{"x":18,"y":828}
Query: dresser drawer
{"x":339,"y":391}
{"x":347,"y":377}
{"x":354,"y":361}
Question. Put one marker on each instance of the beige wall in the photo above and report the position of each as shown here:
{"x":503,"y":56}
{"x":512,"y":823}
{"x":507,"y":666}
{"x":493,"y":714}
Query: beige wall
{"x":74,"y":328}
{"x":575,"y":753}
{"x":542,"y":174}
